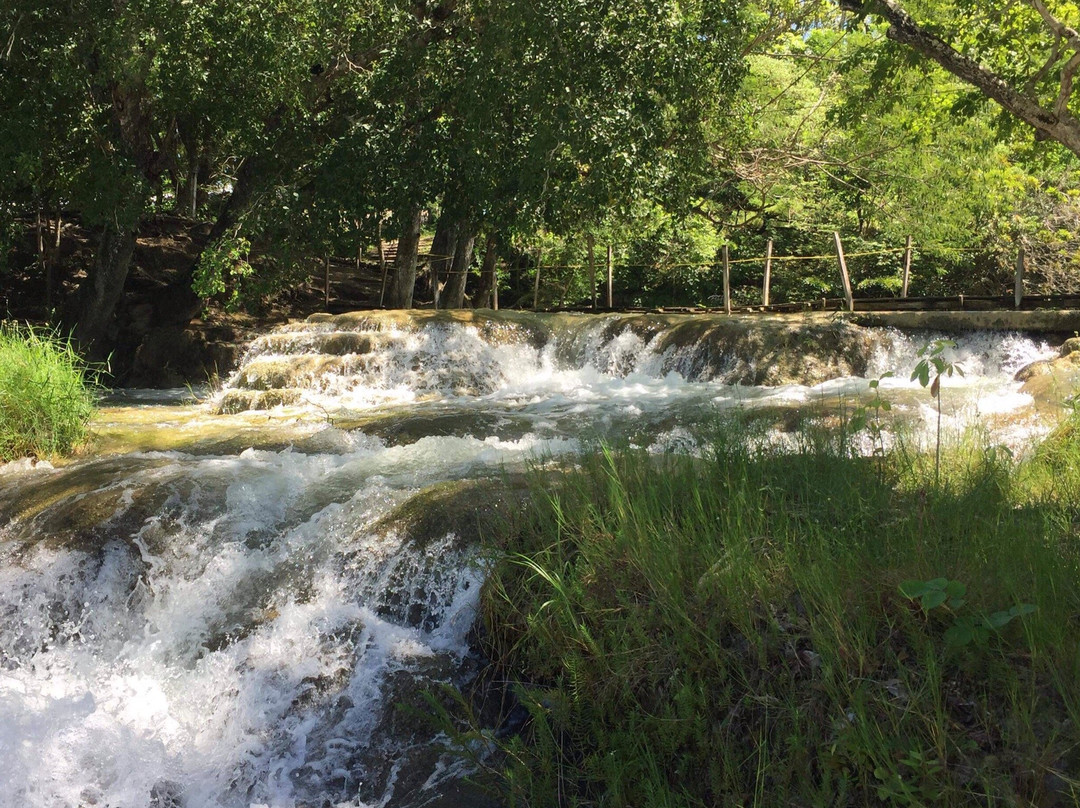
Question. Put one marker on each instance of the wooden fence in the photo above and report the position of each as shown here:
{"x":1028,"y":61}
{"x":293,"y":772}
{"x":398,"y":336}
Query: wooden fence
{"x":848,"y":301}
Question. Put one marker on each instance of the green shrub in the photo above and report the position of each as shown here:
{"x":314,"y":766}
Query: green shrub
{"x":46,"y":397}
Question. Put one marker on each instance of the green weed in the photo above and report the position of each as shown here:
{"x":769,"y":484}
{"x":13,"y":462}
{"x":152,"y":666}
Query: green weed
{"x":46,"y":395}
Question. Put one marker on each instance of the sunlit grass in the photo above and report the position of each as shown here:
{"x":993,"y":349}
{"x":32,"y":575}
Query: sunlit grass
{"x":730,"y":630}
{"x":46,"y":400}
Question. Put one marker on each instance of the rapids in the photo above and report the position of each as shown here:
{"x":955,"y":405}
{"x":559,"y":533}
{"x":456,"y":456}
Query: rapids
{"x":226,"y":603}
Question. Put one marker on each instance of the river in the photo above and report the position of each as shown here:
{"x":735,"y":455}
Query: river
{"x":223,"y":604}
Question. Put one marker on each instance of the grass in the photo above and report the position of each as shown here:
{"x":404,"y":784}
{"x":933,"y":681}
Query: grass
{"x":730,"y":630}
{"x":46,"y":398}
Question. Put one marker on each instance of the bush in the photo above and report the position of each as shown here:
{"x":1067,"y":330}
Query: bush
{"x":46,"y":397}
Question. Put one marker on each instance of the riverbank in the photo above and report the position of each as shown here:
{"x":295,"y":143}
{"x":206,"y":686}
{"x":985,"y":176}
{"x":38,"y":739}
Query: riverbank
{"x":764,"y":627}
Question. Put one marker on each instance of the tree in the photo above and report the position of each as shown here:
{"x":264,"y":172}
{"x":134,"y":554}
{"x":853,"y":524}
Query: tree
{"x":1035,"y":55}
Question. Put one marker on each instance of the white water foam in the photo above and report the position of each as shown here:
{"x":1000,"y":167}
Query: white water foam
{"x":236,"y":645}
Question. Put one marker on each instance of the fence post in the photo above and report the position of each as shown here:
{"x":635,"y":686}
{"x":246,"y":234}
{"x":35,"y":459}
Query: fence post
{"x":907,"y":267}
{"x":727,"y":281}
{"x":768,"y":274}
{"x":610,"y":274}
{"x":536,"y":283}
{"x":1018,"y":286}
{"x":843,"y":272}
{"x":590,"y":243}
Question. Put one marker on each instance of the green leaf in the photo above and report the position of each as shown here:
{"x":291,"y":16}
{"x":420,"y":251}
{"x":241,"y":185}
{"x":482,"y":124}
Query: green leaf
{"x":955,"y":589}
{"x":997,"y":619}
{"x":938,"y":583}
{"x":921,"y":373}
{"x":933,"y":599}
{"x":913,"y":589}
{"x":959,"y":634}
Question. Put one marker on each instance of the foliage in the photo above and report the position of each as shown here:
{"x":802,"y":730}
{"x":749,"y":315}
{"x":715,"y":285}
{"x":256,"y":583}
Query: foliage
{"x":943,"y":593}
{"x":934,"y":362}
{"x":46,"y":395}
{"x":222,"y":268}
{"x":871,"y":417}
{"x":666,"y":129}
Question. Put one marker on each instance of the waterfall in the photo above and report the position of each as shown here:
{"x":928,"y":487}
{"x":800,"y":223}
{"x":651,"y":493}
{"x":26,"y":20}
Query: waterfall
{"x":227,"y":612}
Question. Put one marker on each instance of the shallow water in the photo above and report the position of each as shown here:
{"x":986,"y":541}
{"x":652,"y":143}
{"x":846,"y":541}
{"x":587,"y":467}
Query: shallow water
{"x":222,"y":609}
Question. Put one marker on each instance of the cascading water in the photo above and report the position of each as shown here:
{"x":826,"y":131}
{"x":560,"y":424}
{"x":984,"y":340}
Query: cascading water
{"x":224,"y":607}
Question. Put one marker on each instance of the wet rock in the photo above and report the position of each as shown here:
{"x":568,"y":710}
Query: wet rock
{"x":397,"y":430}
{"x":472,"y":510}
{"x":276,"y":373}
{"x":342,"y":343}
{"x":237,"y":401}
{"x":1040,"y":367}
{"x":769,"y":352}
{"x":1051,"y":381}
{"x":1070,"y":346}
{"x":167,"y":794}
{"x":72,"y":498}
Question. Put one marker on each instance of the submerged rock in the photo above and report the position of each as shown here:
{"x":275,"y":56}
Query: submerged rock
{"x":470,"y":510}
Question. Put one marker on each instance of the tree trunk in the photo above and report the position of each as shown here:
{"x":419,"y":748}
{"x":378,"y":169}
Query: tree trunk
{"x":486,"y":294}
{"x":401,"y":289}
{"x":459,"y":271}
{"x":101,"y":291}
{"x":326,"y":283}
{"x":189,"y":202}
{"x":202,"y":195}
{"x":610,"y":275}
{"x":442,"y":253}
{"x":382,"y":262}
{"x":50,"y":280}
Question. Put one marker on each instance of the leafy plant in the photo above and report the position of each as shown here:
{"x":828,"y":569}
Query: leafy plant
{"x":943,"y":593}
{"x":222,"y":268}
{"x":929,"y":371}
{"x":935,"y":592}
{"x":869,"y":417}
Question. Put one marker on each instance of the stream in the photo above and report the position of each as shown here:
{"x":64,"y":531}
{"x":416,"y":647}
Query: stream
{"x":224,"y":604}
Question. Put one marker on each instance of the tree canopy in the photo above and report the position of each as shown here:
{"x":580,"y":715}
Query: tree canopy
{"x":667,"y":129}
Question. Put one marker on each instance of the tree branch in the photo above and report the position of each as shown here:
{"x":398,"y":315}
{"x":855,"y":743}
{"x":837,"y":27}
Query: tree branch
{"x":1061,"y":105}
{"x":1041,"y":73}
{"x":1055,"y":124}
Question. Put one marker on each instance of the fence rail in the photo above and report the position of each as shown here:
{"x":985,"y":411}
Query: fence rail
{"x":1018,"y":300}
{"x":944,"y":303}
{"x":849,"y":301}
